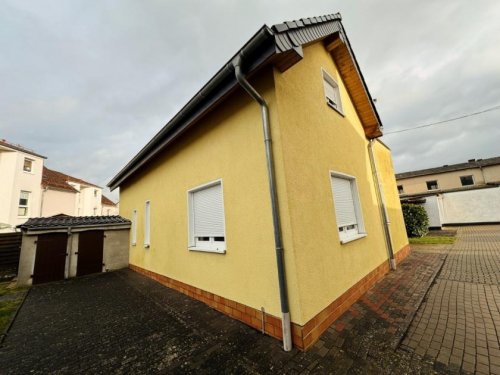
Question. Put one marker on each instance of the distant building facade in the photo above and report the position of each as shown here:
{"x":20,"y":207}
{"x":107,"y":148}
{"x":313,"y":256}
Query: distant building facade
{"x":462,"y":176}
{"x":29,"y":189}
{"x":465,"y":193}
{"x":20,"y":177}
{"x":65,"y":194}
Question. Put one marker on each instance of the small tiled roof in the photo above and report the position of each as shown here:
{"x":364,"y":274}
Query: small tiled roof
{"x":65,"y":221}
{"x":58,"y":180}
{"x":106,"y":201}
{"x":473,"y":163}
{"x":13,"y":146}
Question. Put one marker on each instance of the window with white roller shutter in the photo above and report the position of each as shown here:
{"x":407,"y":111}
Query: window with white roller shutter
{"x":206,"y":218}
{"x":347,"y":207}
{"x":332,"y":92}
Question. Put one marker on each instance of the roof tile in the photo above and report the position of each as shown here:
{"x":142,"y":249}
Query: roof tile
{"x":65,"y":221}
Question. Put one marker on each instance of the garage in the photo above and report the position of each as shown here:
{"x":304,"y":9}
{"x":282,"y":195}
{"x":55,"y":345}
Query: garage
{"x":60,"y":247}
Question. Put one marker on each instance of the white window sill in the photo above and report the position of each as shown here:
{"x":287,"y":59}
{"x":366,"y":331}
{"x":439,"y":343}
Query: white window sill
{"x":207,"y":250}
{"x":147,"y":245}
{"x":335,"y":109}
{"x":353,"y":238}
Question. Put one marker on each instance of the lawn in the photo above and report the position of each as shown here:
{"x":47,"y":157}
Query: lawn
{"x":10,"y":299}
{"x":432,"y":240}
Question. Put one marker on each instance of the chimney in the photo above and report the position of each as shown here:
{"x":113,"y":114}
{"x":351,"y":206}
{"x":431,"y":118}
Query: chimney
{"x":471,"y":160}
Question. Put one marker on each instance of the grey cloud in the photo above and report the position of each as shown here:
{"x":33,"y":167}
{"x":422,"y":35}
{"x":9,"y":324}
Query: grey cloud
{"x":89,"y":83}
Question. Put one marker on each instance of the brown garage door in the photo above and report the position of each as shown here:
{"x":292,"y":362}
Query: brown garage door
{"x":50,"y":259}
{"x":90,"y":245}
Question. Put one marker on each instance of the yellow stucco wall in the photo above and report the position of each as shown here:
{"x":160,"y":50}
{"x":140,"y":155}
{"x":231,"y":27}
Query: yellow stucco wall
{"x":310,"y":140}
{"x":227,"y":144}
{"x":316,"y":140}
{"x":385,"y":168}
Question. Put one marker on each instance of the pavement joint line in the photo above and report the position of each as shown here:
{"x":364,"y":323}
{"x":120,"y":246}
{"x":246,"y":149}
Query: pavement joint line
{"x":13,"y":318}
{"x":409,"y":319}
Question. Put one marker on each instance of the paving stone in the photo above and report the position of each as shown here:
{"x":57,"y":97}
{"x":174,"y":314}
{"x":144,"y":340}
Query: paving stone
{"x":122,"y":322}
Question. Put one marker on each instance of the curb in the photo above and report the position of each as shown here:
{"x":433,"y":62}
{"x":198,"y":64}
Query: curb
{"x":13,"y":318}
{"x":403,"y":330}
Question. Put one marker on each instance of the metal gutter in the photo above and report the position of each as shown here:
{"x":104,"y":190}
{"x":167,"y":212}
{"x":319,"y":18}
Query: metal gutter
{"x":278,"y":240}
{"x":218,"y":87}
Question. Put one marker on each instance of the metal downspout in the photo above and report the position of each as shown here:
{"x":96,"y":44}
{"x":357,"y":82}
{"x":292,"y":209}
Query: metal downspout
{"x":285,"y":311}
{"x":379,"y":189}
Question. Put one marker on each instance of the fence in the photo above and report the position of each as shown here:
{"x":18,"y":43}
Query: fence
{"x":10,"y":249}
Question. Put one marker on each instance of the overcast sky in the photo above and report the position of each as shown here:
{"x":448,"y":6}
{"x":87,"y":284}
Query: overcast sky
{"x":88,"y":83}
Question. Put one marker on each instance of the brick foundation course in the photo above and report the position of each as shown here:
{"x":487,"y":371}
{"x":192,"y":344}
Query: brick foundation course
{"x":303,"y":337}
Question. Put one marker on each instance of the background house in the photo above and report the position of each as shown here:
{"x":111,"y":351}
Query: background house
{"x":109,"y":208}
{"x":65,"y":194}
{"x":199,"y":199}
{"x":463,"y":193}
{"x":20,"y":178}
{"x":28,"y":189}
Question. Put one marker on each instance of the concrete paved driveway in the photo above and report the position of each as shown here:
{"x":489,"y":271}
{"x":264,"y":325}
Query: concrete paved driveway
{"x":122,"y":322}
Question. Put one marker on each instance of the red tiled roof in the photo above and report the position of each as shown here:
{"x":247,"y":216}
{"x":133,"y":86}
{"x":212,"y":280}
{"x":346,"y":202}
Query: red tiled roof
{"x":106,"y":201}
{"x":58,"y":180}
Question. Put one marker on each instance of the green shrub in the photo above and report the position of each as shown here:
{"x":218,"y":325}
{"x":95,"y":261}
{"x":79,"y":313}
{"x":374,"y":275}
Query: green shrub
{"x":416,"y":220}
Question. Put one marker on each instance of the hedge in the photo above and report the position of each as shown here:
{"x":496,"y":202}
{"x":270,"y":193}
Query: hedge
{"x":416,"y":220}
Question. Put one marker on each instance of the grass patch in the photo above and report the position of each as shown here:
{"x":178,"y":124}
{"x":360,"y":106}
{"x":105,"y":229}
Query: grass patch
{"x":10,"y":299}
{"x":7,"y":309}
{"x":432,"y":240}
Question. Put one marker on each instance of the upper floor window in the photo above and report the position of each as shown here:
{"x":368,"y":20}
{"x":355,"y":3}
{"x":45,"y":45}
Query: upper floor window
{"x":347,"y":207}
{"x":432,"y":185}
{"x":95,"y":192}
{"x":400,"y":189}
{"x":467,"y":180}
{"x":28,"y":165}
{"x":332,"y":92}
{"x":206,"y":218}
{"x":23,"y":203}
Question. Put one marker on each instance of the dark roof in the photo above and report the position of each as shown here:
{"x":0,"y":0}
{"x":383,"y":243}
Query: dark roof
{"x":59,"y":180}
{"x":473,"y":163}
{"x":106,"y":201}
{"x":65,"y":221}
{"x":280,"y":45}
{"x":13,"y":146}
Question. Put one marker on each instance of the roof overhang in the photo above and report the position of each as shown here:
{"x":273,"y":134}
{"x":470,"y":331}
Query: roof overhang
{"x":281,"y":47}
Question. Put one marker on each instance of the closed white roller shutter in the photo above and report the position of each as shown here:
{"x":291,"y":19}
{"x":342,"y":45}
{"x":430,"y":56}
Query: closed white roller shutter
{"x":343,"y":201}
{"x":208,"y":212}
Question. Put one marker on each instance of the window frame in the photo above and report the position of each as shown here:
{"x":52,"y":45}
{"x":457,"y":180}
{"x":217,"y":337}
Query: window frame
{"x":24,"y":206}
{"x":133,"y":235}
{"x":32,"y":162}
{"x":349,"y":234}
{"x":427,"y":185}
{"x":331,"y":102}
{"x":147,"y":224}
{"x":472,"y":178}
{"x":210,"y":246}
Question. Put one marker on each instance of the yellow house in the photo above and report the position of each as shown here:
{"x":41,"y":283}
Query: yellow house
{"x":268,"y":196}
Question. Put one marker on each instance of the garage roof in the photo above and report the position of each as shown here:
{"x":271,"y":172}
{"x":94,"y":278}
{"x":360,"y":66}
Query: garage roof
{"x":65,"y":221}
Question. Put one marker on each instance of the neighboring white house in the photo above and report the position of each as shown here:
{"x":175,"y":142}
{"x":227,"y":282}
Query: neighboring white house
{"x":20,"y":178}
{"x":109,"y":208}
{"x":65,"y":194}
{"x":29,"y":189}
